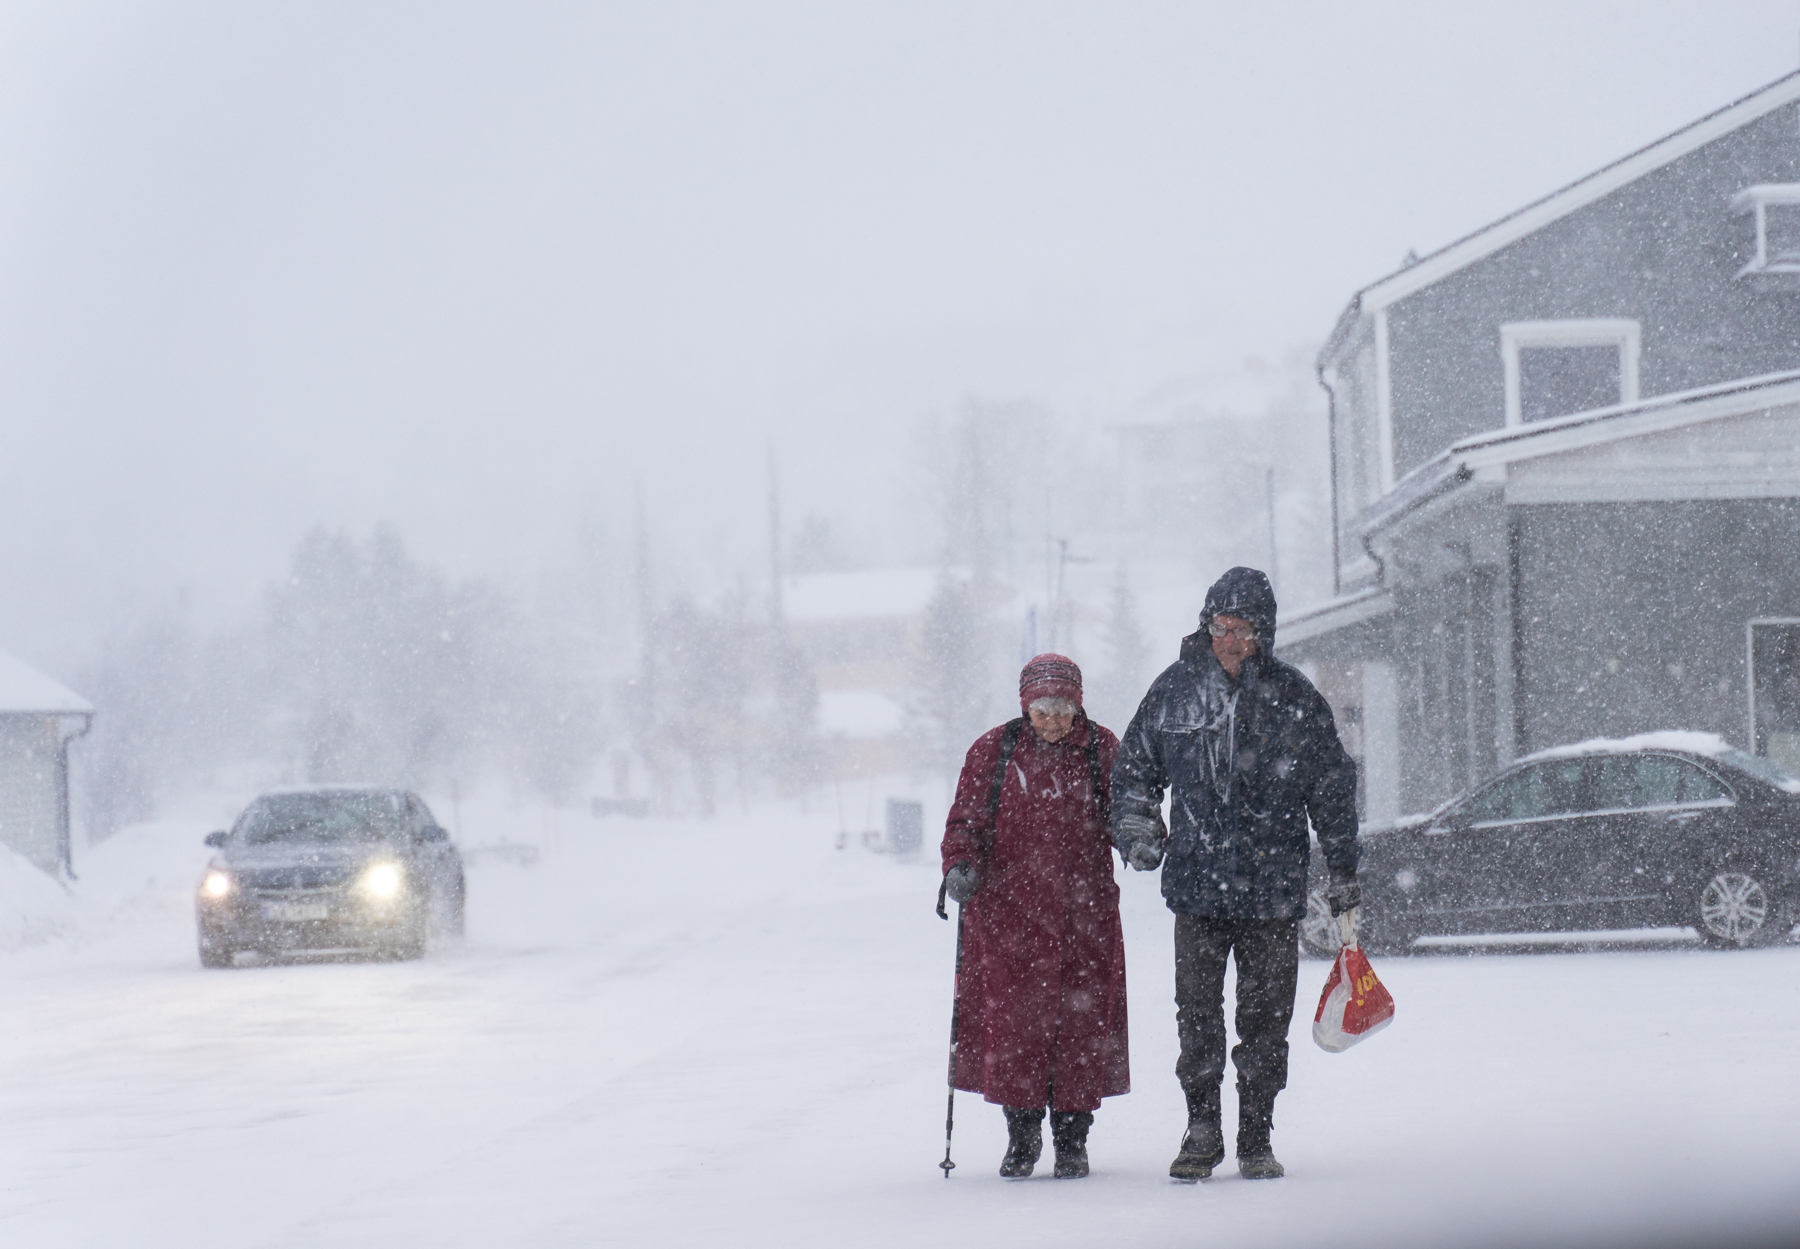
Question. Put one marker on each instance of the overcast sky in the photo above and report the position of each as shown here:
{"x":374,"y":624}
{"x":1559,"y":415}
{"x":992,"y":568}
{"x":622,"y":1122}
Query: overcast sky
{"x":478,"y":270}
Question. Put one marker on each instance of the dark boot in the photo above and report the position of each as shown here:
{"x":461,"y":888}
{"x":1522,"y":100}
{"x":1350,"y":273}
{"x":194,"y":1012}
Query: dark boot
{"x":1024,"y":1141}
{"x":1203,"y":1148}
{"x":1069,"y":1129}
{"x":1256,"y":1115}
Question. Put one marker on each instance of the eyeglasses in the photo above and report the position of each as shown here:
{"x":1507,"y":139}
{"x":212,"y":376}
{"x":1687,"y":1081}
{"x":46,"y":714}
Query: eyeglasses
{"x":1243,"y":633}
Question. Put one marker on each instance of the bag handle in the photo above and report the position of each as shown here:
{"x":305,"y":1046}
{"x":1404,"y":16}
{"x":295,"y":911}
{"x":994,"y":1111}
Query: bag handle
{"x":1347,"y":928}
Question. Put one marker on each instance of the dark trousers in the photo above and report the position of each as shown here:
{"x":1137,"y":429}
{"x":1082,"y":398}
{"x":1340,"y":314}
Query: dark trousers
{"x":1268,"y":968}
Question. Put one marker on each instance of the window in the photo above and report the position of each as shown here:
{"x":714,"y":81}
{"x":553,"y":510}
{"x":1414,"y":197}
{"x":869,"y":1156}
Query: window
{"x":1774,"y":212}
{"x":1633,"y":782}
{"x":1775,"y":692}
{"x":1544,"y":789}
{"x":1555,"y":368}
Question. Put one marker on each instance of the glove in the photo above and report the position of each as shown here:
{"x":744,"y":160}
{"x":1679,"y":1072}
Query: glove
{"x":1140,"y":839}
{"x":1344,"y":893}
{"x":1144,"y":857}
{"x":960,"y":882}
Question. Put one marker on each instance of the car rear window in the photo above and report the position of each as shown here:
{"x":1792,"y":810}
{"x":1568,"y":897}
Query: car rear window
{"x":1762,"y":769}
{"x":321,"y":817}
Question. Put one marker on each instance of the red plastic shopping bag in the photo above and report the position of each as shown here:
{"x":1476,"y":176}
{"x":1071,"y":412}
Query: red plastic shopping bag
{"x":1354,"y":1005}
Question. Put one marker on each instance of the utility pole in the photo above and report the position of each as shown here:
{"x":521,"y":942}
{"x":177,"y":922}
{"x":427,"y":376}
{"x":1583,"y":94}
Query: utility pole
{"x":1269,"y":486}
{"x":774,"y":540}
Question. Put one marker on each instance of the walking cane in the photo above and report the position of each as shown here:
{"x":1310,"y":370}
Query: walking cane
{"x":955,"y":1011}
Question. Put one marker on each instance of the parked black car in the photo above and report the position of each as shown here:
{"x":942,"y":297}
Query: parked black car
{"x":330,"y":868}
{"x":1666,"y":829}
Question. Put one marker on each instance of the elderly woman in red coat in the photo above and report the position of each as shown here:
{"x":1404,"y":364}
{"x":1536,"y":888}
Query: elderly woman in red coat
{"x":1041,"y":998}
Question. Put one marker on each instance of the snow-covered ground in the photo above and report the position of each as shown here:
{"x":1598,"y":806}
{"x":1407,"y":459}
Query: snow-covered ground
{"x":732,"y":1034}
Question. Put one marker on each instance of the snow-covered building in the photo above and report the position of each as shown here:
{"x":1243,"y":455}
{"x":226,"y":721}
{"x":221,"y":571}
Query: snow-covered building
{"x":861,"y":632}
{"x":38,"y":718}
{"x":1566,"y":471}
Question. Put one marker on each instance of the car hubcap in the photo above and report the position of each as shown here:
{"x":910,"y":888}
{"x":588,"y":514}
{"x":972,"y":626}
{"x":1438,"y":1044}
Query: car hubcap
{"x":1733,"y":906}
{"x":1318,"y":929}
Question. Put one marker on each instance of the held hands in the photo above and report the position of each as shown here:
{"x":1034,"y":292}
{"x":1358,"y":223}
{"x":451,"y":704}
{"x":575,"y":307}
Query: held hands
{"x":1144,"y":857}
{"x":1141,"y":839}
{"x":960,"y":882}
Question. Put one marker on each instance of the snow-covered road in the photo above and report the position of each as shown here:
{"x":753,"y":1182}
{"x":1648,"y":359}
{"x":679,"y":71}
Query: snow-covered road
{"x":732,"y":1033}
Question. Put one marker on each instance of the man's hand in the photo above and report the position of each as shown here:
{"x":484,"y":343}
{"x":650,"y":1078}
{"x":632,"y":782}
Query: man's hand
{"x":1141,"y":839}
{"x":1144,"y":857}
{"x":960,"y":882}
{"x":1344,"y":893}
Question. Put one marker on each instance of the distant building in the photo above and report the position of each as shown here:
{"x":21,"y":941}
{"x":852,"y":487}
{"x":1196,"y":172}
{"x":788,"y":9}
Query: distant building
{"x":1566,"y":471}
{"x":38,"y":718}
{"x":1213,"y":471}
{"x":861,"y":632}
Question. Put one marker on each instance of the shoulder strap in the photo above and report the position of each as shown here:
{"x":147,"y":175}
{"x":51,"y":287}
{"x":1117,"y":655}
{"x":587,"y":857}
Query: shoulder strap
{"x":1009,"y":742}
{"x":1093,"y":754}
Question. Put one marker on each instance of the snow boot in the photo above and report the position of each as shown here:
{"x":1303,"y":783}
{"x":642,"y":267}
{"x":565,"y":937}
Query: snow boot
{"x":1256,"y":1115}
{"x":1203,"y":1148}
{"x":1069,"y":1129}
{"x":1024,"y":1141}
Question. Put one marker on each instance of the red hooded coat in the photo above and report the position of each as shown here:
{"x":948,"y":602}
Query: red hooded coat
{"x":1041,"y":998}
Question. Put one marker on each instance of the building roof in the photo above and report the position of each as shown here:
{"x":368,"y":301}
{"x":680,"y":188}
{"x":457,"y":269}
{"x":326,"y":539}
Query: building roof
{"x":1560,"y":203}
{"x":25,"y":689}
{"x":870,"y":594}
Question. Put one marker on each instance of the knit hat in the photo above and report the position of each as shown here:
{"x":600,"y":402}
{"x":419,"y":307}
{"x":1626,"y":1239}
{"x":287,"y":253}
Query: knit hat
{"x":1049,"y":676}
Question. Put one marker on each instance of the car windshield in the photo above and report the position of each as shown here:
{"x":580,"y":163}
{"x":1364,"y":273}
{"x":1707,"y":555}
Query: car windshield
{"x":316,"y":817}
{"x":1758,"y":766}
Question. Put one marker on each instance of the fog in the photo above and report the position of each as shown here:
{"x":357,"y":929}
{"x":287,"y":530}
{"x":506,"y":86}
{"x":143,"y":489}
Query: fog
{"x":648,"y":439}
{"x":488,"y":274}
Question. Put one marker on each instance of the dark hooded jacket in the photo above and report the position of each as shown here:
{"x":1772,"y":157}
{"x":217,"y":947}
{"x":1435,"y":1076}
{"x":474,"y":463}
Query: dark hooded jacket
{"x":1250,"y":762}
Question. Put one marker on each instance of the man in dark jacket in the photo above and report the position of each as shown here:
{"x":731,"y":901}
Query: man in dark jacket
{"x":1251,"y":752}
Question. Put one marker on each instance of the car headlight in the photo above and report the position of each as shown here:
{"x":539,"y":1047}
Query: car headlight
{"x":382,"y":881}
{"x":216,"y":884}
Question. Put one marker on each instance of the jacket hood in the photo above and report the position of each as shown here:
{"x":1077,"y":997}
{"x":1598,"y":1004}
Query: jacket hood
{"x":1245,"y":593}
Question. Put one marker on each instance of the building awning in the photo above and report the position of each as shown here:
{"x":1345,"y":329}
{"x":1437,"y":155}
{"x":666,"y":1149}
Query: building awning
{"x":1339,"y":613}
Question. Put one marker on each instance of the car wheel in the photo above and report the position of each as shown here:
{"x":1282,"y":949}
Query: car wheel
{"x":216,"y":954}
{"x":447,"y":912}
{"x":1735,"y":910}
{"x":1319,"y":929}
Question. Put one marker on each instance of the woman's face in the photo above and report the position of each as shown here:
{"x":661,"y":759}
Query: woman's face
{"x":1050,"y":726}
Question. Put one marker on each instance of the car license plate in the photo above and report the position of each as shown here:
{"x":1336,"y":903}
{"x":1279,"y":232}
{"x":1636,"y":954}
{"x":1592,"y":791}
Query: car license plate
{"x":295,"y":912}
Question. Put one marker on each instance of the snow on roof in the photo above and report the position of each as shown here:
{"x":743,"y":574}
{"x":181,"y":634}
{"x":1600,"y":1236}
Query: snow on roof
{"x":871,"y":594}
{"x":25,"y":689}
{"x":1708,"y":744}
{"x":859,"y":713}
{"x":333,"y":787}
{"x":1711,"y":745}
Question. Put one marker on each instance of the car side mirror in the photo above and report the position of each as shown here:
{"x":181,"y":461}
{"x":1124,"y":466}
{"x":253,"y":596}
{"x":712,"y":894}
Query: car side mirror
{"x":433,"y":833}
{"x":215,"y":839}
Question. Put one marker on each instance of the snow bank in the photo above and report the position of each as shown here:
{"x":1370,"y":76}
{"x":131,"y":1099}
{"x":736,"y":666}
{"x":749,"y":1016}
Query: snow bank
{"x":140,"y":865}
{"x":34,"y":906}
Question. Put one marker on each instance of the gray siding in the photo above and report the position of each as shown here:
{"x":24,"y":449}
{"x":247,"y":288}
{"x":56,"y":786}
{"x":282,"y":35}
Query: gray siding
{"x":1663,"y":250}
{"x":1632,"y":615}
{"x":31,"y":811}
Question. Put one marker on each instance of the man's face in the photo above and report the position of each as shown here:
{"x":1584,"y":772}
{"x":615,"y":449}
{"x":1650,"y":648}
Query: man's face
{"x":1050,"y":726}
{"x":1237,"y":643}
